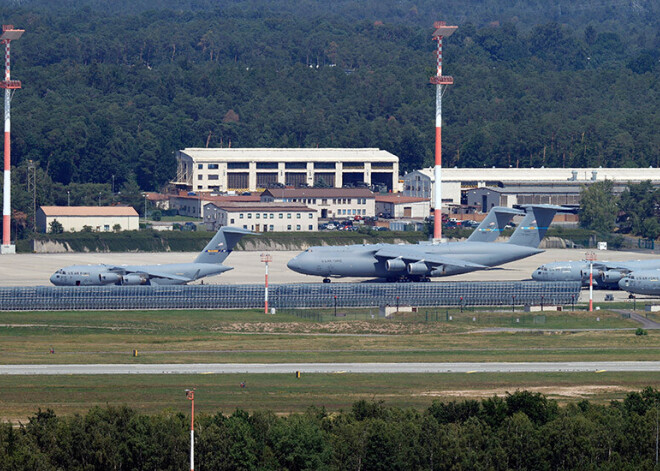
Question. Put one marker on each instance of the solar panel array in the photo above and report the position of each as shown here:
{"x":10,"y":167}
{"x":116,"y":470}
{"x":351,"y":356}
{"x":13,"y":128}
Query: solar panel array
{"x":283,"y":296}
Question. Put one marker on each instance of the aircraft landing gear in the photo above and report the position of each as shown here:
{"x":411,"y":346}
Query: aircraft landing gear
{"x":326,"y":280}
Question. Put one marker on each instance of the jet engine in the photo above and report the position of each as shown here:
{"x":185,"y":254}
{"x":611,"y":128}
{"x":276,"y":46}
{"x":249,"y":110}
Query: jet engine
{"x":395,"y":264}
{"x":418,"y":268}
{"x":611,"y":276}
{"x":109,"y":278}
{"x":133,"y":279}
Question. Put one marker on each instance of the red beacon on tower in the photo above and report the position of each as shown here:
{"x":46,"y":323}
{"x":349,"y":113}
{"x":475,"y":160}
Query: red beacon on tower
{"x":9,"y":34}
{"x":440,"y":81}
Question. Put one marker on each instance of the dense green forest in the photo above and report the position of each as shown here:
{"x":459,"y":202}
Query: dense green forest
{"x":115,"y":88}
{"x":521,"y":431}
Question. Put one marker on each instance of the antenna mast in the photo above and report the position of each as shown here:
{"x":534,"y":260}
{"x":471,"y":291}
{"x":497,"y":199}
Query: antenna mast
{"x":8,"y":34}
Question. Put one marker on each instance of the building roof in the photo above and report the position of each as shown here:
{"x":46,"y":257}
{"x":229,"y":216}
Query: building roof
{"x":544,"y":174}
{"x":319,"y":193}
{"x":288,"y":155}
{"x":221,"y":198}
{"x":238,"y":207}
{"x":81,"y":211}
{"x":397,"y":198}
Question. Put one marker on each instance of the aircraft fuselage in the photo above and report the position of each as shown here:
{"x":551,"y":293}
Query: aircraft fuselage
{"x":360,"y":260}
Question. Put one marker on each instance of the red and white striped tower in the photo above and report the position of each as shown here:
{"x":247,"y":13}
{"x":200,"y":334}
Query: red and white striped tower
{"x":266,"y":258}
{"x":440,"y":81}
{"x":8,"y":34}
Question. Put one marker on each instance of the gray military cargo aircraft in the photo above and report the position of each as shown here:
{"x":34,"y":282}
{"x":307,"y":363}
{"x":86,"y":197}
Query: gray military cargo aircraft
{"x":207,"y":263}
{"x":419,"y":262}
{"x":642,"y":282}
{"x":605,"y":274}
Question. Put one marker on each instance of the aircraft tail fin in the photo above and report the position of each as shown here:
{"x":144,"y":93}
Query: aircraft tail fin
{"x":219,"y":248}
{"x":535,"y":224}
{"x":491,"y":227}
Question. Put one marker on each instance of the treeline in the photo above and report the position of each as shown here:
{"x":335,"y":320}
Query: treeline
{"x":522,"y":431}
{"x":109,"y":92}
{"x":635,"y":211}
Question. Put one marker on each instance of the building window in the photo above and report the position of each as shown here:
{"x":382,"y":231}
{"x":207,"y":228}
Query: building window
{"x":310,"y":227}
{"x":200,"y":177}
{"x":311,"y":215}
{"x":297,"y":227}
{"x":106,"y":228}
{"x":257,"y":215}
{"x":249,"y":215}
{"x":272,"y":215}
{"x":213,"y":166}
{"x":266,"y":165}
{"x":297,"y":215}
{"x":200,"y":166}
{"x":281,"y":216}
{"x":244,"y":226}
{"x":213,"y":177}
{"x":240,"y":216}
{"x":265,"y":216}
{"x":237,"y":165}
{"x":288,"y":215}
{"x":232,"y":221}
{"x":288,"y":228}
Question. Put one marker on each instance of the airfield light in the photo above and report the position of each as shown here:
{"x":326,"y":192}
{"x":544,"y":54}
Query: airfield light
{"x":266,"y":258}
{"x":8,"y":34}
{"x":190,"y":394}
{"x":591,"y":256}
{"x":440,"y":81}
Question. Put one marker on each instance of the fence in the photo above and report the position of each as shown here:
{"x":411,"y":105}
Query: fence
{"x":284,"y":296}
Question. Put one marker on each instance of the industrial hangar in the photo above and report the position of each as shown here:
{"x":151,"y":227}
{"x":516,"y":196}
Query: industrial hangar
{"x":549,"y":183}
{"x":222,"y":170}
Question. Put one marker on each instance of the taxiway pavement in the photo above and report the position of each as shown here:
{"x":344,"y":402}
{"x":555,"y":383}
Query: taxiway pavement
{"x":286,"y":368}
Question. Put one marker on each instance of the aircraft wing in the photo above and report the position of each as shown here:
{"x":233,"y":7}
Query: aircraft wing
{"x":415,"y":254}
{"x":151,"y":273}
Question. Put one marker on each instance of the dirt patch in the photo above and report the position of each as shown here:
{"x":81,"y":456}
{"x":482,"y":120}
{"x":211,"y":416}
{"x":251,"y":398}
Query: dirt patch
{"x":345,"y":328}
{"x":567,"y":392}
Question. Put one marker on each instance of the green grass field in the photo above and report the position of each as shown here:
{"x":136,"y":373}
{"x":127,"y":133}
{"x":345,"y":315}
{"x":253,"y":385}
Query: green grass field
{"x":252,"y":336}
{"x":22,"y":396}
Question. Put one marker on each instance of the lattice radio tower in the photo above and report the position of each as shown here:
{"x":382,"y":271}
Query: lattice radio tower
{"x":440,"y":81}
{"x":9,"y":34}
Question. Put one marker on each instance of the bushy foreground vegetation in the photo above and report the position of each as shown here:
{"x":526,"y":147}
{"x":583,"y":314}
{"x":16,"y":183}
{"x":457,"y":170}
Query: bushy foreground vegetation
{"x":523,"y":430}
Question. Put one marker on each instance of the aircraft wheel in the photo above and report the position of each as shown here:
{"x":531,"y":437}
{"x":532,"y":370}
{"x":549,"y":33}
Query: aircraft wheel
{"x":326,"y":280}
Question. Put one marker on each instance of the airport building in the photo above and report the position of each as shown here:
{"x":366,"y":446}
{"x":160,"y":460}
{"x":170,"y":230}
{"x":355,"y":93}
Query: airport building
{"x":221,"y":170}
{"x":331,"y":203}
{"x":261,"y":217}
{"x":518,"y":184}
{"x":398,"y":206}
{"x":98,"y":218}
{"x":192,"y":205}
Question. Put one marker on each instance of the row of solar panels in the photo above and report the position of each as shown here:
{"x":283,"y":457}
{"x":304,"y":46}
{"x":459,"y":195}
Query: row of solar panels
{"x":283,"y":296}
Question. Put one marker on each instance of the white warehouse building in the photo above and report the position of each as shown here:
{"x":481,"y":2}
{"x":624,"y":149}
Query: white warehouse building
{"x":239,"y":170}
{"x":456,"y":180}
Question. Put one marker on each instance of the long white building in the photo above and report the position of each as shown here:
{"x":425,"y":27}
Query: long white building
{"x":456,"y":180}
{"x":257,"y":169}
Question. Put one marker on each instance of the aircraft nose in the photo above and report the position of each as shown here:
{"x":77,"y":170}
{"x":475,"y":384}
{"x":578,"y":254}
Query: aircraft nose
{"x":53,"y":279}
{"x":294,"y":264}
{"x":623,"y":283}
{"x":536,"y":275}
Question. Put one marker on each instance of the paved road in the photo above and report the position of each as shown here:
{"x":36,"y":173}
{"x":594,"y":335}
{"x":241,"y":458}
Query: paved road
{"x":220,"y":368}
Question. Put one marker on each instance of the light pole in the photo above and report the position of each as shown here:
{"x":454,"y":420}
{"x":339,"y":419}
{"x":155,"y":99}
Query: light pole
{"x":266,"y":258}
{"x":68,"y":198}
{"x":190,"y":394}
{"x":145,"y":210}
{"x":113,"y":184}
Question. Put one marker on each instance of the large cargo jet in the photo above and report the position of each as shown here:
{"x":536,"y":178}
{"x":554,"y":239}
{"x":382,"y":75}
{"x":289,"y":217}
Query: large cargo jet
{"x":419,"y":262}
{"x":207,"y":263}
